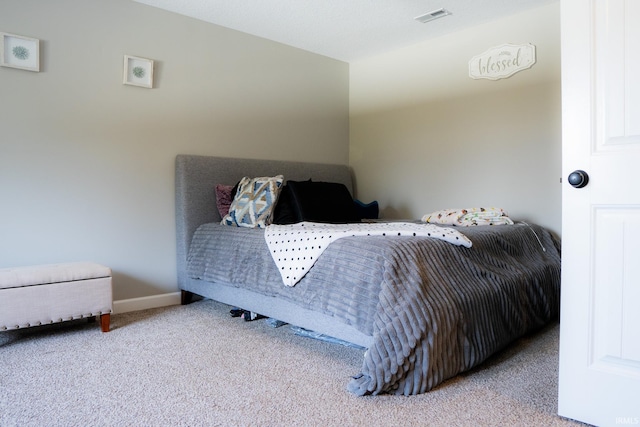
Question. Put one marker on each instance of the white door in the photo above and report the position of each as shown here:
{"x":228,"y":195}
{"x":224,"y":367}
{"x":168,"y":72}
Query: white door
{"x":599,"y":381}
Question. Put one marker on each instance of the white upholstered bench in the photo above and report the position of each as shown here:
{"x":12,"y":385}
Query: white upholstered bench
{"x":44,"y":294}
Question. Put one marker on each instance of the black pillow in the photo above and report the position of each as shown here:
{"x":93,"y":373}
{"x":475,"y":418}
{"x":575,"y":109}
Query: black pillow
{"x":285,"y":212}
{"x":367,"y":210}
{"x":322,"y":202}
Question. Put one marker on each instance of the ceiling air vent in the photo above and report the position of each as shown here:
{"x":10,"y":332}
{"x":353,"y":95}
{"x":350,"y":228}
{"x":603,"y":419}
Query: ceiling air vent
{"x":439,"y":13}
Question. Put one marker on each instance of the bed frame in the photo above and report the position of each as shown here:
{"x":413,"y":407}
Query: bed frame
{"x":196,"y":177}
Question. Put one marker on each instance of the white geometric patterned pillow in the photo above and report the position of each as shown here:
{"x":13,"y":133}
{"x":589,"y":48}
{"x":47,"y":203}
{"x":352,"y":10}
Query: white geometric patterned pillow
{"x":254,"y":202}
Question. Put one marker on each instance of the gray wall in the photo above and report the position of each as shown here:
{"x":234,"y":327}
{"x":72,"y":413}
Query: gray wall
{"x":425,"y":136}
{"x":86,"y":163}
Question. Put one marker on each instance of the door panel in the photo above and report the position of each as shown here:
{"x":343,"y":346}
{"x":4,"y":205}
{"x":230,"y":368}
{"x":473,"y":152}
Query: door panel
{"x":614,"y":337}
{"x":618,"y":65}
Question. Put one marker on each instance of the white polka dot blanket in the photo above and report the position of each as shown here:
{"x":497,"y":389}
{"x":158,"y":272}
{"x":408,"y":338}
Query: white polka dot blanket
{"x":296,"y":247}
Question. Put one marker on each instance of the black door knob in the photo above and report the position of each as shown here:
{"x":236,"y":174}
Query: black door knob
{"x":578,"y":179}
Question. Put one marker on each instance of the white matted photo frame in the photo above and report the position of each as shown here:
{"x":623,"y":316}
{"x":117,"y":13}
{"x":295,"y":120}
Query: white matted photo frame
{"x":19,"y":52}
{"x":138,"y":71}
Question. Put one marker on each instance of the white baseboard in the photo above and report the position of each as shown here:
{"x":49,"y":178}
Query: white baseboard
{"x":144,"y":303}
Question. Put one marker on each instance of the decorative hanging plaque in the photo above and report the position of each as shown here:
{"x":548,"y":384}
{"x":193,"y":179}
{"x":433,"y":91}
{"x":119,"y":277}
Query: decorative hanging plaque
{"x":502,"y":61}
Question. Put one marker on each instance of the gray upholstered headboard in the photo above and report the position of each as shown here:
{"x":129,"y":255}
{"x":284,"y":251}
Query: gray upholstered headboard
{"x":196,"y":177}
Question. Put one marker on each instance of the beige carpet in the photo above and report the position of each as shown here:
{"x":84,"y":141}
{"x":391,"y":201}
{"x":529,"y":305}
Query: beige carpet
{"x":196,"y":366}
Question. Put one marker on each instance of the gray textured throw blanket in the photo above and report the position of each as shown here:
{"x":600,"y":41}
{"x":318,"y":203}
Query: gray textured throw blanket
{"x":434,"y":309}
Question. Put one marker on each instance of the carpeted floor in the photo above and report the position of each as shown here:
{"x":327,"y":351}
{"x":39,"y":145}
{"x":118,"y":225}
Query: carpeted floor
{"x":196,"y":366}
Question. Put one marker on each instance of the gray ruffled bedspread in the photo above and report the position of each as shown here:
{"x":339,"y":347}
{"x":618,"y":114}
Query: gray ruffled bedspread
{"x":434,"y":309}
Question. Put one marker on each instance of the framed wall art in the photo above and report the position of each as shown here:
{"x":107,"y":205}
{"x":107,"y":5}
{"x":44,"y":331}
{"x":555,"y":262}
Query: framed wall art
{"x":138,"y":71}
{"x":19,"y":52}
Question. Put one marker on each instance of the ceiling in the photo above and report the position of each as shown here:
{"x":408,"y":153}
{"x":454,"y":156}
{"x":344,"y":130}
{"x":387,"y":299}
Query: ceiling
{"x":347,"y":30}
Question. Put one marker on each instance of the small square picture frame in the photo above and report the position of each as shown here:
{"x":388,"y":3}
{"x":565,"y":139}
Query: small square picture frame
{"x":19,"y":52}
{"x":138,"y":71}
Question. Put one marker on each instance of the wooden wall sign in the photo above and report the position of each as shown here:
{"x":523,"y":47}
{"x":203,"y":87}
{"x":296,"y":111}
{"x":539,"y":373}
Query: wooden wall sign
{"x":502,"y":61}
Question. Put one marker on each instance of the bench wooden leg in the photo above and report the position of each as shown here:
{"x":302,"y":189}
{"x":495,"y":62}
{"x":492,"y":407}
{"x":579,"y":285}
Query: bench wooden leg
{"x":105,"y":321}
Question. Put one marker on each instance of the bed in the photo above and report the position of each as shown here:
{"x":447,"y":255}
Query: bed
{"x":423,"y":309}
